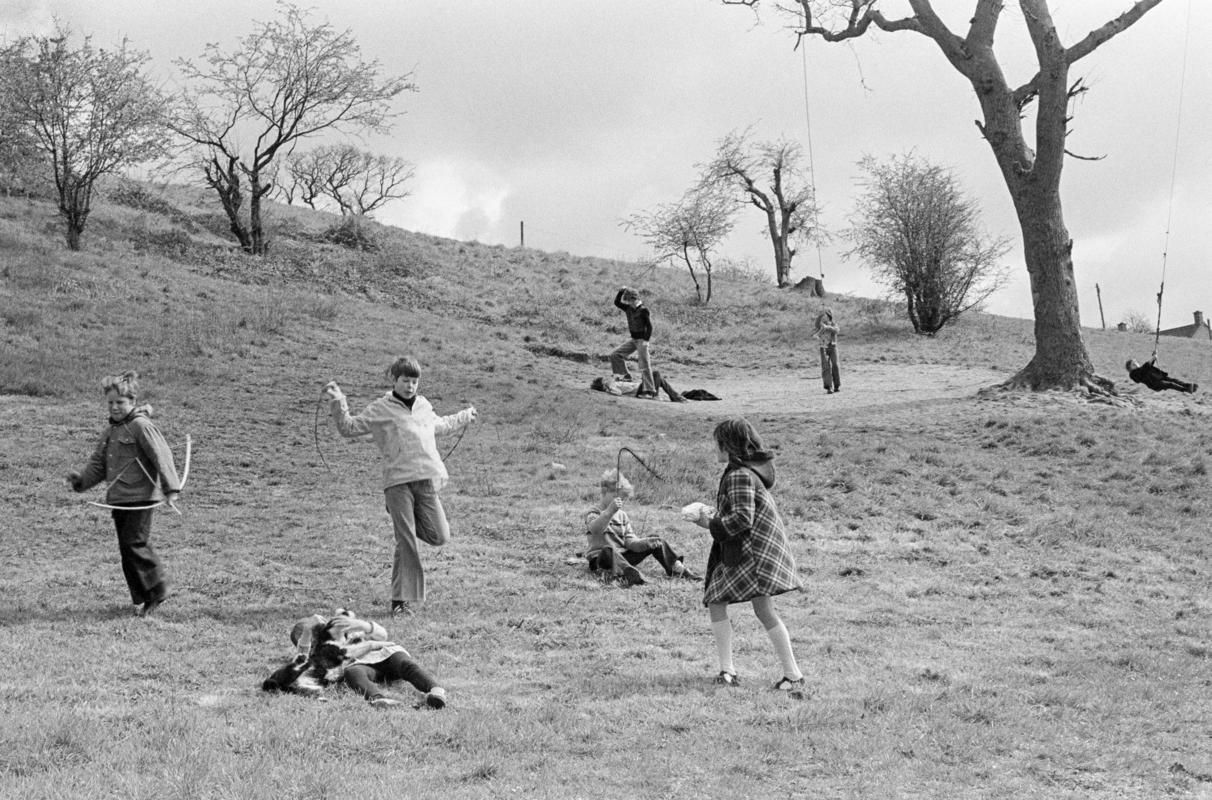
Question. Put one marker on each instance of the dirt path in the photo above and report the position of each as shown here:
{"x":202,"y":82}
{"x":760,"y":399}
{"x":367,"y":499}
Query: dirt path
{"x":863,"y":386}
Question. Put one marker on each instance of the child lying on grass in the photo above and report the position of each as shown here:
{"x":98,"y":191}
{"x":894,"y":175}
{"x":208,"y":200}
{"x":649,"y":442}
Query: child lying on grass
{"x":357,"y":651}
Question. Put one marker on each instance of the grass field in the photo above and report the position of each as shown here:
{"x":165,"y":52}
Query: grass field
{"x":1007,"y":595}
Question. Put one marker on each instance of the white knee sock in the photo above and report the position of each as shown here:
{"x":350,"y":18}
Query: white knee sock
{"x":782,"y":648}
{"x":723,"y":644}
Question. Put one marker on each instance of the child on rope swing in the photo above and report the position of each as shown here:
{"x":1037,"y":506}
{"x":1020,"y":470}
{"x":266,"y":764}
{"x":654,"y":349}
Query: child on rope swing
{"x":1155,"y":378}
{"x":136,"y":464}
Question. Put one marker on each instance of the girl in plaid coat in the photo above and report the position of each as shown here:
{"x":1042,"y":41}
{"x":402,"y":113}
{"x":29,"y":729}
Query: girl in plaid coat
{"x":750,"y":557}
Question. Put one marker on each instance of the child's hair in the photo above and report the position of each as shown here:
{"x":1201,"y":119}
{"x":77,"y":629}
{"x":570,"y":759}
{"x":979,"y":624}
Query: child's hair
{"x":126,"y":384}
{"x":614,"y":481}
{"x":1130,"y":365}
{"x":738,"y":438}
{"x":406,"y":366}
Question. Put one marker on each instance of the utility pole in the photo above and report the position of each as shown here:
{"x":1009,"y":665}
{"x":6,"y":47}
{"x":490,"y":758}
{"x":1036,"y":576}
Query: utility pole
{"x":522,"y":234}
{"x":1099,"y":292}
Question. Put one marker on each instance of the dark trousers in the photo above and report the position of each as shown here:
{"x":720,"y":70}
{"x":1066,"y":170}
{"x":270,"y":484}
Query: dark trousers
{"x":1161,"y":384}
{"x":831,"y":375}
{"x":607,"y":559}
{"x":140,"y":564}
{"x":368,"y":679}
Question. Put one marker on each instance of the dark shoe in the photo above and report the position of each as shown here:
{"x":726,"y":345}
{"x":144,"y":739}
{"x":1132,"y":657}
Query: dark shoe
{"x":685,"y":573}
{"x":400,"y":609}
{"x":150,"y":606}
{"x":727,"y":679}
{"x":435,"y":698}
{"x":632,"y":576}
{"x":796,"y":690}
{"x":1194,"y":388}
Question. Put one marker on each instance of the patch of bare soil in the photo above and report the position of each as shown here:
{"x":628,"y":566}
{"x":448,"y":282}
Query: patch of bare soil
{"x":864,"y":386}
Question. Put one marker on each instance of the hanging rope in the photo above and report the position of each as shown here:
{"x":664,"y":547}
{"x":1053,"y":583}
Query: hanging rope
{"x":1182,"y":82}
{"x":618,"y":465}
{"x":816,"y":223}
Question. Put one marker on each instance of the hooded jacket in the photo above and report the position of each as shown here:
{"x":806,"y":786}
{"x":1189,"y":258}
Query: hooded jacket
{"x":404,"y":436}
{"x":133,"y":458}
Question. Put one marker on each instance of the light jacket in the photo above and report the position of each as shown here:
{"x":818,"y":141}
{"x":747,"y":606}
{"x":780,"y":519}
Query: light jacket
{"x":405,"y":436}
{"x":133,"y":458}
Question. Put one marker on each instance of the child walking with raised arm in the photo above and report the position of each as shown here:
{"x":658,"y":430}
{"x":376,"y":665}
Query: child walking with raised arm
{"x":404,"y":425}
{"x":750,"y":558}
{"x":136,"y":464}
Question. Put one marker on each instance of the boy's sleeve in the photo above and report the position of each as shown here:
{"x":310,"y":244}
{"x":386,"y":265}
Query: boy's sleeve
{"x":452,"y":422}
{"x":94,"y":470}
{"x":618,"y":300}
{"x":347,"y":425}
{"x":152,"y":443}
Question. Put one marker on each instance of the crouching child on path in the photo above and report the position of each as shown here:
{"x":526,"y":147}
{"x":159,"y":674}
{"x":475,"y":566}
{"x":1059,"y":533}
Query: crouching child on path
{"x":403,"y":424}
{"x":750,"y":558}
{"x":357,"y":651}
{"x":134,"y":460}
{"x":614,"y":548}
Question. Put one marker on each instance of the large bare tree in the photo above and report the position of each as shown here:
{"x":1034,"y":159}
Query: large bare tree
{"x":88,"y":111}
{"x":287,"y":80}
{"x":1031,"y":169}
{"x":771,"y":177}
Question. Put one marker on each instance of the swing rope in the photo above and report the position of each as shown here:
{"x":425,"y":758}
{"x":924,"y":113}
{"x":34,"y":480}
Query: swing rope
{"x":1182,"y":82}
{"x":816,"y":222}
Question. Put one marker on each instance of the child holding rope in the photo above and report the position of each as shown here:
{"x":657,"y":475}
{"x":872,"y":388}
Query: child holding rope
{"x":614,"y":548}
{"x":403,"y":425}
{"x":136,"y":464}
{"x":750,"y":556}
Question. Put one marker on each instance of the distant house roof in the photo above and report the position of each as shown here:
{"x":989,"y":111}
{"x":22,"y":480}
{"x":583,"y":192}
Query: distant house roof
{"x":1199,"y":328}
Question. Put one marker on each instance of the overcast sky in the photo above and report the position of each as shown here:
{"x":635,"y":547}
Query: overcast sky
{"x":571,"y":115}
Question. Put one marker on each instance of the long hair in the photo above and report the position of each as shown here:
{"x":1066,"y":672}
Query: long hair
{"x":738,"y":438}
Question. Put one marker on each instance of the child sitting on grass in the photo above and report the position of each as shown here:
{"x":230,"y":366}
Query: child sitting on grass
{"x":136,"y":464}
{"x":750,"y":557}
{"x":614,"y":548}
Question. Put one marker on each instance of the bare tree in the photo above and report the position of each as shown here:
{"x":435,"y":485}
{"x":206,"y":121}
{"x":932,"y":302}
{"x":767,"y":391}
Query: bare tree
{"x":1031,"y":173}
{"x":922,"y":238}
{"x":687,"y":231}
{"x":89,"y":111}
{"x":287,"y":80}
{"x":358,"y":182}
{"x":771,"y":177}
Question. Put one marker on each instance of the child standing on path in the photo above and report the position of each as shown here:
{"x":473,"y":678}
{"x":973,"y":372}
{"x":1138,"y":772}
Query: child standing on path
{"x":614,"y":548}
{"x":639,"y":326}
{"x":826,"y":333}
{"x":403,"y":425}
{"x":134,"y":460}
{"x":750,"y":556}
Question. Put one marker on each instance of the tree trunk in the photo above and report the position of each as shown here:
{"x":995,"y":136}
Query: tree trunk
{"x":73,"y":234}
{"x":1061,"y":360}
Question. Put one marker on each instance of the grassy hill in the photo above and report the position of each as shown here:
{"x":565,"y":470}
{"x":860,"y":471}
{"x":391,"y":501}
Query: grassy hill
{"x":1007,"y":595}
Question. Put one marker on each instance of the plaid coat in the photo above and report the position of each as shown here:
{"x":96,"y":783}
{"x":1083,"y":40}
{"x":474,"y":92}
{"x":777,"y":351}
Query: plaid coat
{"x":750,"y":556}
